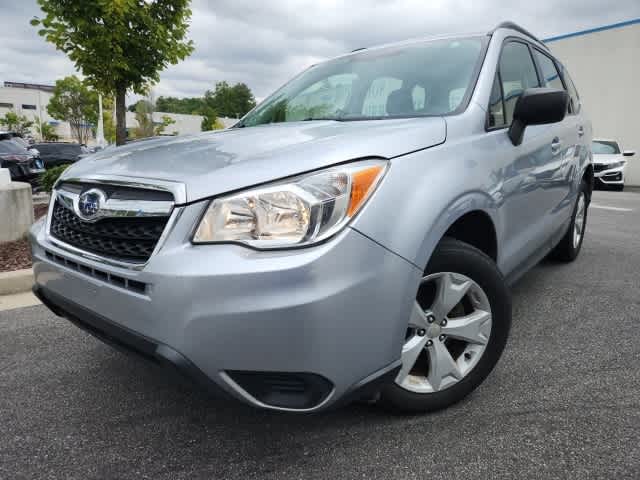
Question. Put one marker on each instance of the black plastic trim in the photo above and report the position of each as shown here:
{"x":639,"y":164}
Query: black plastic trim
{"x":368,"y":389}
{"x":291,"y":390}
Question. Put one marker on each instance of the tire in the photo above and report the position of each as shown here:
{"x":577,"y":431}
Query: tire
{"x":567,"y":250}
{"x":463,"y":261}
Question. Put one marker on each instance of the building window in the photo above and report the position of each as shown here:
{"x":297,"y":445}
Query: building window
{"x":6,"y":105}
{"x":28,"y":107}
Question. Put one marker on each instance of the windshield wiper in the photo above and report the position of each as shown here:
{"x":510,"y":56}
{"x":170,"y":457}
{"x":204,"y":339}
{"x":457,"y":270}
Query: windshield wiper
{"x":311,"y":119}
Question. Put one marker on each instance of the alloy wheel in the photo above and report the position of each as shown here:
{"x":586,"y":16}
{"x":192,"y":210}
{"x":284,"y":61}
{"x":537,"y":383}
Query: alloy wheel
{"x":448,"y":332}
{"x":578,"y":223}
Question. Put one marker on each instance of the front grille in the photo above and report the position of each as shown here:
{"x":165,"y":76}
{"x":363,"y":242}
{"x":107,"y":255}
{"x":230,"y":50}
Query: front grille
{"x":117,"y":280}
{"x":130,"y":239}
{"x":598,"y":167}
{"x":613,"y":177}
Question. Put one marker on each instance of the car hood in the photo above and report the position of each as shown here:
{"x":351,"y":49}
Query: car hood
{"x":607,"y":158}
{"x":216,"y":162}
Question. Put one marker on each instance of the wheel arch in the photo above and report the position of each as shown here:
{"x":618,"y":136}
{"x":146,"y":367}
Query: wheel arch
{"x":588,"y":176}
{"x":473,"y":219}
{"x":477,"y":229}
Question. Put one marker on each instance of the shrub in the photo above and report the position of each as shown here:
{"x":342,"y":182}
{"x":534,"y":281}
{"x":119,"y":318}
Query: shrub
{"x":48,"y":178}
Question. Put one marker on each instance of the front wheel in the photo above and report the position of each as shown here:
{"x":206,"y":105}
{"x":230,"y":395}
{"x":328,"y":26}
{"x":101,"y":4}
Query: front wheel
{"x":457,"y":331}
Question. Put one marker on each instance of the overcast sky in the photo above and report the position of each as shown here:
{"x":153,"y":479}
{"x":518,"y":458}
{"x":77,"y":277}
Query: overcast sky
{"x":263,"y":43}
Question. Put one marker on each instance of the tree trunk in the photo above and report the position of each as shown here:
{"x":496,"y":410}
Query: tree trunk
{"x":121,"y":125}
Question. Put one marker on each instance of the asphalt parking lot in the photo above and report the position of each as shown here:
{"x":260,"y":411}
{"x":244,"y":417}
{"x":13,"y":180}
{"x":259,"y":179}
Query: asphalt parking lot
{"x":564,"y":401}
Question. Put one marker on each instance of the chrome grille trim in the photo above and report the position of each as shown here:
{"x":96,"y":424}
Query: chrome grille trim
{"x":114,"y":208}
{"x":174,"y":215}
{"x":178,"y":190}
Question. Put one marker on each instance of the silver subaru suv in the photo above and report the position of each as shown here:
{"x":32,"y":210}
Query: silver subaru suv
{"x":352,"y":237}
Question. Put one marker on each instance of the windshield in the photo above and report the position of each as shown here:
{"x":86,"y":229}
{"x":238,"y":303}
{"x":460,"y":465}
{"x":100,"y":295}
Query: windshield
{"x":20,"y":141}
{"x":421,"y":79}
{"x":8,"y":146}
{"x":600,"y":147}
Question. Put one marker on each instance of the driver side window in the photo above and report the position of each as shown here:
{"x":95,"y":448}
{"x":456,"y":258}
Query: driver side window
{"x":516,"y":73}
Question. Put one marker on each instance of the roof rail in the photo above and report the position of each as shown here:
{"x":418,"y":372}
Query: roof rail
{"x":358,"y":49}
{"x":518,"y":28}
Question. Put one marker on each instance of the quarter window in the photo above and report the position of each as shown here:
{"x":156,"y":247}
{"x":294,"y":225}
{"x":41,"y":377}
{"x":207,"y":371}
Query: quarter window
{"x":496,"y":105}
{"x":517,"y":73}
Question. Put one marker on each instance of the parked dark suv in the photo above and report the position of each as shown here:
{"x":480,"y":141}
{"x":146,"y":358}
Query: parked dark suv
{"x":23,"y":165}
{"x":60,"y":153}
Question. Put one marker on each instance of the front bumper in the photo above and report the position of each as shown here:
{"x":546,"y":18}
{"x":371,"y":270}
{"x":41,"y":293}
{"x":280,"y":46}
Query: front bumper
{"x":331,"y":317}
{"x":611,"y":176}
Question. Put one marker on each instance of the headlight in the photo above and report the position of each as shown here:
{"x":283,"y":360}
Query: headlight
{"x":301,"y":211}
{"x":615,"y":165}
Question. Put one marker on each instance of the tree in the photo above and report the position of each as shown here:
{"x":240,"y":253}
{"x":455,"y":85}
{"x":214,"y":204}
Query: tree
{"x":230,"y":101}
{"x":118,"y":45}
{"x":166,"y":121}
{"x":107,"y":120}
{"x":75,"y":102}
{"x":144,"y":117}
{"x":47,"y":132}
{"x":189,"y":106}
{"x":16,"y":123}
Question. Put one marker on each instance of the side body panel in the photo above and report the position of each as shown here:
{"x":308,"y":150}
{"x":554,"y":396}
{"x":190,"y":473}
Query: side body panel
{"x":528,"y":191}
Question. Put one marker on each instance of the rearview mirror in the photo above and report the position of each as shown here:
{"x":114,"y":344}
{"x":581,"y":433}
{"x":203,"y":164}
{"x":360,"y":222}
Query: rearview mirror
{"x":537,"y":106}
{"x":629,"y":153}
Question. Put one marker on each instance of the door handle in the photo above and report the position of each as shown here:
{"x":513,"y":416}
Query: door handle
{"x":580,"y":131}
{"x":556,"y":145}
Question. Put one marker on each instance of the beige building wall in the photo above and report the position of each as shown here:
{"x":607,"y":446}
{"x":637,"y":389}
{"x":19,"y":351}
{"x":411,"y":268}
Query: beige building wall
{"x":605,"y":66}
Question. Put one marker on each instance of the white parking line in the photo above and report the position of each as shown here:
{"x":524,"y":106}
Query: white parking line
{"x":606,"y":207}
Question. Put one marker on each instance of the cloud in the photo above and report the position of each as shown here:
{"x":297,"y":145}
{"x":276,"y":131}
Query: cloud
{"x":265,"y":43}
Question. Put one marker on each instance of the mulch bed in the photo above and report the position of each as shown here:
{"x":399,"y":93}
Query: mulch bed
{"x":17,"y":255}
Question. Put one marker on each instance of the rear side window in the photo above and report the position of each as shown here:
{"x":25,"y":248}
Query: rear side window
{"x":517,"y":73}
{"x":550,"y":75}
{"x":573,"y":93}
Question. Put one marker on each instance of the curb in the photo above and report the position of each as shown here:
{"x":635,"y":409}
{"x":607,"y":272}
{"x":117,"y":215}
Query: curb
{"x":17,"y":281}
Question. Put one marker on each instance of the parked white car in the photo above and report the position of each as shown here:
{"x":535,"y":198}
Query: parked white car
{"x":609,"y":163}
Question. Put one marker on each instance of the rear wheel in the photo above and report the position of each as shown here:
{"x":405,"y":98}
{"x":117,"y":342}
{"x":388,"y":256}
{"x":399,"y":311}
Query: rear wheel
{"x":457,"y":330}
{"x":569,"y":247}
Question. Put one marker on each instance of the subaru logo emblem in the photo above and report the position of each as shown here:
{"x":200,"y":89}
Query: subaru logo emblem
{"x":89,"y":203}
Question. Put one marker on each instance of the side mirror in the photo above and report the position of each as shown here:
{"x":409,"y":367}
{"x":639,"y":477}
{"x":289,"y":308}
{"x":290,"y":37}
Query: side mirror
{"x":537,"y":106}
{"x":629,"y":153}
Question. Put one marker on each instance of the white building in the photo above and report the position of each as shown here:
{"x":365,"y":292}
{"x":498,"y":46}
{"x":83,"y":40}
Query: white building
{"x":604,"y":63}
{"x":31,"y":100}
